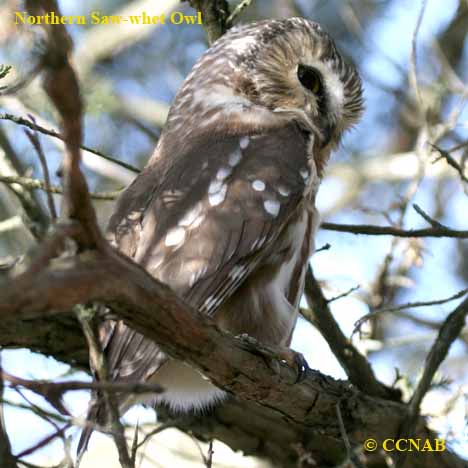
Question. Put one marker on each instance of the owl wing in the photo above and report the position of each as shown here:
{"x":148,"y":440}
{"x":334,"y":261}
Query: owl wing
{"x":212,"y":220}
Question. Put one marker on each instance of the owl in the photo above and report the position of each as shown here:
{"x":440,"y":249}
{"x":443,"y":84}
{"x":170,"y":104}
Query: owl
{"x":224,"y":211}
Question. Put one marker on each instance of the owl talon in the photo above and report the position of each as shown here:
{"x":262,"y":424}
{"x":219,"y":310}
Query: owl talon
{"x":297,"y":361}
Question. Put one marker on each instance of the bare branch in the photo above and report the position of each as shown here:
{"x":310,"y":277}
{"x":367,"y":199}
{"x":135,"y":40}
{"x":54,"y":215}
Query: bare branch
{"x":35,"y":184}
{"x":346,"y":293}
{"x":451,"y":161}
{"x":214,"y":14}
{"x":99,"y":366}
{"x":408,"y":305}
{"x":55,"y":390}
{"x":413,"y":78}
{"x":44,"y":441}
{"x":34,"y":139}
{"x":355,"y":462}
{"x":238,"y":9}
{"x":425,"y":216}
{"x":393,"y":231}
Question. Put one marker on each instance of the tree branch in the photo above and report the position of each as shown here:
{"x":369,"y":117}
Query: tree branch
{"x":215,"y":15}
{"x":35,"y":184}
{"x":154,"y":310}
{"x":397,"y":232}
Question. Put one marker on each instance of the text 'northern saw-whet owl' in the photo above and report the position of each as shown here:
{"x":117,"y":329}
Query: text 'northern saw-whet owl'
{"x":224,"y":211}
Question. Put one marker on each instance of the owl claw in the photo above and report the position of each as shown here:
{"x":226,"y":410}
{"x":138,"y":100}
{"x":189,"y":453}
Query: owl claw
{"x":302,"y":367}
{"x":297,"y":361}
{"x":291,"y":358}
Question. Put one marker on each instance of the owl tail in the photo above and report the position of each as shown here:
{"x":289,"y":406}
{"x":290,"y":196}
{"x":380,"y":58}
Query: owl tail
{"x":92,"y":417}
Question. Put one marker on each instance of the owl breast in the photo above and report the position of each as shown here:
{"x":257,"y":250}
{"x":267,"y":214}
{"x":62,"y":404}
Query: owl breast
{"x":266,"y":305}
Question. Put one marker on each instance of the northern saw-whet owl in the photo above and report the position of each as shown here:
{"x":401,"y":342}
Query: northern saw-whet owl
{"x":224,"y":211}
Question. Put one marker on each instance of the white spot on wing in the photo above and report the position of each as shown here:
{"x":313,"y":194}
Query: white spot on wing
{"x":304,"y":173}
{"x":215,"y":186}
{"x":223,"y":172}
{"x":283,"y":191}
{"x":244,"y":142}
{"x":190,"y":216}
{"x":258,"y":185}
{"x":272,"y":207}
{"x":217,"y":197}
{"x":175,"y":236}
{"x":235,"y":157}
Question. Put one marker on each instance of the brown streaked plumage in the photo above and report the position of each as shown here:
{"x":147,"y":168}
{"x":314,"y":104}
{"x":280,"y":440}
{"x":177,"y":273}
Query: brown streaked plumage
{"x":224,"y":210}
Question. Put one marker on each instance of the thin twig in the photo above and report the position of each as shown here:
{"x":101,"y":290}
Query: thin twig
{"x":48,"y":388}
{"x":209,"y":458}
{"x":457,"y":147}
{"x":43,"y":442}
{"x":99,"y":365}
{"x":356,"y":463}
{"x":326,"y":246}
{"x":134,"y":449}
{"x":409,"y":305}
{"x":54,"y":134}
{"x":239,"y":8}
{"x":36,"y":184}
{"x":41,"y":412}
{"x":450,"y":160}
{"x":413,"y":77}
{"x":34,"y":139}
{"x":426,"y":217}
{"x":346,"y":293}
{"x":157,"y":430}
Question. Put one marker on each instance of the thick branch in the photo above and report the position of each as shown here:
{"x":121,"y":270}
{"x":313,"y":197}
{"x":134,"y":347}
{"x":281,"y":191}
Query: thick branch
{"x":307,"y":408}
{"x":215,"y":15}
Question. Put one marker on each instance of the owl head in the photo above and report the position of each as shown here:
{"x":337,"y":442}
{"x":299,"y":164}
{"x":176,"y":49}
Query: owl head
{"x":267,"y":72}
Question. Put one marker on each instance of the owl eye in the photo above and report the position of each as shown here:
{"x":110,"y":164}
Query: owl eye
{"x":310,"y":78}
